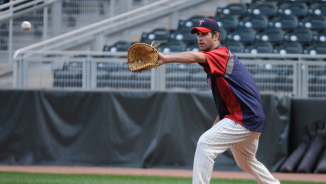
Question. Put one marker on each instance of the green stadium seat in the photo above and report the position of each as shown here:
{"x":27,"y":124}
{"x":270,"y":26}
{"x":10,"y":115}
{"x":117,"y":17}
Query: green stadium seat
{"x":172,"y":46}
{"x":320,"y":36}
{"x":259,"y":47}
{"x":119,"y":46}
{"x":288,"y":48}
{"x":257,"y":22}
{"x":271,"y":34}
{"x":317,"y":8}
{"x":234,"y":46}
{"x":301,"y":35}
{"x":285,"y":22}
{"x":190,"y":22}
{"x":244,"y":35}
{"x":232,"y":9}
{"x":267,"y":9}
{"x":298,"y":9}
{"x":228,"y":22}
{"x":184,"y":35}
{"x":314,"y":22}
{"x":315,"y":48}
{"x":158,"y":34}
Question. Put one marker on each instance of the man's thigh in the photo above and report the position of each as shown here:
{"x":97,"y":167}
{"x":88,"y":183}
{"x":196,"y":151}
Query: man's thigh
{"x":226,"y":133}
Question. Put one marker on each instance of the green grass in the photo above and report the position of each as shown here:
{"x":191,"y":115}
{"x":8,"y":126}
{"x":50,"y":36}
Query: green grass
{"x":37,"y":178}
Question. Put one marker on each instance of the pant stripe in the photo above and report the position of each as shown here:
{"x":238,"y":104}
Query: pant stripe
{"x":243,"y":143}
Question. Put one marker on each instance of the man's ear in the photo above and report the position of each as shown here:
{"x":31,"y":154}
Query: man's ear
{"x":216,"y":36}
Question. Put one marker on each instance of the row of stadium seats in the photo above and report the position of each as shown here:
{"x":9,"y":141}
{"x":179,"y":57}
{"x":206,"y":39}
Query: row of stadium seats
{"x":300,"y":8}
{"x":260,"y":46}
{"x":261,"y":22}
{"x":240,"y":35}
{"x":260,"y":27}
{"x":244,"y":35}
{"x":284,"y":1}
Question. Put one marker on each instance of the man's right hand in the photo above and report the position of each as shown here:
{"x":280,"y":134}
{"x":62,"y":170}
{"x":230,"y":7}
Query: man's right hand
{"x":161,"y":58}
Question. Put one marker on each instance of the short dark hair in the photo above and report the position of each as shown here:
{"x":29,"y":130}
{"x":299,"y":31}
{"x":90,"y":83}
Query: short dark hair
{"x":214,"y":32}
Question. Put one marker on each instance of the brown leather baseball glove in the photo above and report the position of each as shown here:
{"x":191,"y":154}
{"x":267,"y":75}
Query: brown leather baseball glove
{"x":142,"y":56}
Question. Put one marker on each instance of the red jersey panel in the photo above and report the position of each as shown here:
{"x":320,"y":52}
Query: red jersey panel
{"x":235,"y":92}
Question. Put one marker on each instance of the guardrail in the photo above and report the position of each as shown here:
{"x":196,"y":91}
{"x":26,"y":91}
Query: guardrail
{"x":18,"y":8}
{"x":110,"y":25}
{"x":298,"y":75}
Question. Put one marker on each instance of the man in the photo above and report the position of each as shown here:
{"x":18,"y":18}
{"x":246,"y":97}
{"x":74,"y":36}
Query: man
{"x":241,"y":116}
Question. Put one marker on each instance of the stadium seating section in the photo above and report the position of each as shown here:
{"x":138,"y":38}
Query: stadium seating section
{"x":263,"y":26}
{"x":275,"y":22}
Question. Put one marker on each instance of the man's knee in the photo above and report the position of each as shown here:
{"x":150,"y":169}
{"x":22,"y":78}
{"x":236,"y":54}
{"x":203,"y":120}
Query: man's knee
{"x":203,"y":150}
{"x":208,"y":149}
{"x":203,"y":142}
{"x":245,"y":163}
{"x":242,"y":164}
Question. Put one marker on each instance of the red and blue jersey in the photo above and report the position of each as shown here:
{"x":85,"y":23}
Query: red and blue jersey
{"x":234,"y":90}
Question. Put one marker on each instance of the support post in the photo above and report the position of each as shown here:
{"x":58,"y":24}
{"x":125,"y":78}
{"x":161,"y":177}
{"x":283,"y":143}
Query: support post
{"x":57,"y":19}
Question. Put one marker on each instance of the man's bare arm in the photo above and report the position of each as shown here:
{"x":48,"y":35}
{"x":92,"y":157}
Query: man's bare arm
{"x":183,"y":57}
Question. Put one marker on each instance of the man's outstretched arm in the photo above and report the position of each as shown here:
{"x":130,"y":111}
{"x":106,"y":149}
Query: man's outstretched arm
{"x":183,"y":57}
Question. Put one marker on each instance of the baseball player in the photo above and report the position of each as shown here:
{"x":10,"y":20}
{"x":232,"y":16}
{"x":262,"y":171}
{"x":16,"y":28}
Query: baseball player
{"x":241,"y":116}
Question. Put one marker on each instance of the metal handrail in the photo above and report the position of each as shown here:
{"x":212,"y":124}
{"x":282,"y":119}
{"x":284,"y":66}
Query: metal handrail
{"x":277,"y":55}
{"x":104,"y":53}
{"x":90,"y":59}
{"x":84,"y":29}
{"x":6,"y":15}
{"x":12,"y":3}
{"x":150,"y":12}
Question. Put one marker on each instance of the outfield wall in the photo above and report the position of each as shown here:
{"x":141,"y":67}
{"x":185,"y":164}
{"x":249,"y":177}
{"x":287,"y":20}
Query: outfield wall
{"x":123,"y":129}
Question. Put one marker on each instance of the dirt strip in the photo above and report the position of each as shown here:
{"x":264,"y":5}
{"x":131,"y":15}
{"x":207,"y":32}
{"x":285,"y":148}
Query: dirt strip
{"x":155,"y":172}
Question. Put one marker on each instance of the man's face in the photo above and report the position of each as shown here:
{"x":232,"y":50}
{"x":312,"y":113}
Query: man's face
{"x":206,"y":41}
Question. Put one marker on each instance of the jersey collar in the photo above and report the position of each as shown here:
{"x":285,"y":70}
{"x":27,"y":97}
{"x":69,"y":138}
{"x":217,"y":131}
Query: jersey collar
{"x":219,"y":45}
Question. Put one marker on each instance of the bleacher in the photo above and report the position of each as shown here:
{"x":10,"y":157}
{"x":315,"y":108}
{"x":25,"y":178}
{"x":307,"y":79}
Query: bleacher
{"x":270,"y":27}
{"x":260,"y":24}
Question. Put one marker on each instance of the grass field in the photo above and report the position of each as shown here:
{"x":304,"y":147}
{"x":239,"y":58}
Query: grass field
{"x":36,"y":178}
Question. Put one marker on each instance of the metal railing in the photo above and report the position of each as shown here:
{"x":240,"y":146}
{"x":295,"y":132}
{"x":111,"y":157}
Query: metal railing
{"x":50,"y":18}
{"x":313,"y":79}
{"x":111,"y":25}
{"x":17,"y":8}
{"x":294,"y":74}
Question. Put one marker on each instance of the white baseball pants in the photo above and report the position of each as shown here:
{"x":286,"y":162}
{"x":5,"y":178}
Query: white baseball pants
{"x":243,"y":143}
